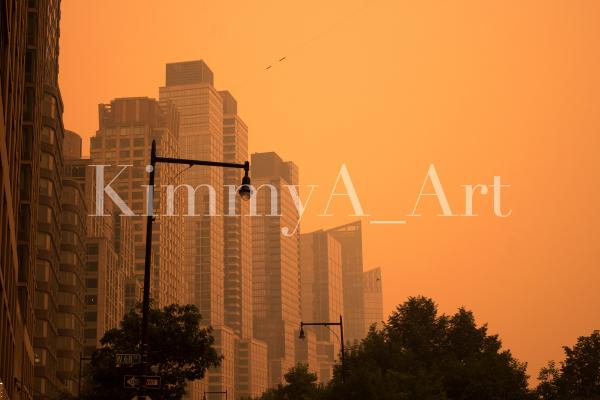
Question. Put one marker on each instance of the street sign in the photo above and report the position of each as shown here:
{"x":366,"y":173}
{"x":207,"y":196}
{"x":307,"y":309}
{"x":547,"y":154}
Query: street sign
{"x":151,"y":382}
{"x":146,"y":382}
{"x":131,"y":382}
{"x":128,"y":359}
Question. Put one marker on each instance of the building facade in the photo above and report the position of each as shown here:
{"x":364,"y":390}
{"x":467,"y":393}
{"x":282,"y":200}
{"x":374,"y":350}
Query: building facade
{"x":109,"y":257}
{"x":190,"y":87}
{"x":322,"y":294}
{"x":275,"y":261}
{"x":122,"y":144}
{"x":373,"y":297}
{"x":350,"y":238}
{"x":71,"y":288}
{"x":251,"y":371}
{"x":18,"y":226}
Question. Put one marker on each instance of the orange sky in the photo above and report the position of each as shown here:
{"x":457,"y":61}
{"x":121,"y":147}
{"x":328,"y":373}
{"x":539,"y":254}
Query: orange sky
{"x":507,"y":88}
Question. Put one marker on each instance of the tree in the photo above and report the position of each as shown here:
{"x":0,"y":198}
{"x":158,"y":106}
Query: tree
{"x":178,"y":351}
{"x":420,"y":355}
{"x":579,"y":375}
{"x":301,"y":384}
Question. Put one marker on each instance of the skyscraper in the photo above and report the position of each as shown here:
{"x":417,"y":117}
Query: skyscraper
{"x":276,"y":286}
{"x":350,"y":238}
{"x":373,"y":295}
{"x":250,"y":353}
{"x":322,"y":294}
{"x":237,"y":237}
{"x":127,"y":128}
{"x":189,"y":85}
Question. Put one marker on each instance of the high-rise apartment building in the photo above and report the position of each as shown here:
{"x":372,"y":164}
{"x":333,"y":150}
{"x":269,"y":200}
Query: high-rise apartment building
{"x":71,"y":289}
{"x":189,"y":85}
{"x":350,"y":238}
{"x":110,"y":252}
{"x":276,"y":286}
{"x":373,"y":297}
{"x":322,"y":294}
{"x":45,"y":212}
{"x":17,"y":225}
{"x":59,"y":257}
{"x":122,"y":143}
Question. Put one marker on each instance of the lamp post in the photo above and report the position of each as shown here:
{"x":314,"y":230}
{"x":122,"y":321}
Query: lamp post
{"x":214,"y":392}
{"x":340,"y":324}
{"x":245,"y":191}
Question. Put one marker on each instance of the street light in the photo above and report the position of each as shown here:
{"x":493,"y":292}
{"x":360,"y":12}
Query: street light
{"x":340,"y":324}
{"x":245,"y":192}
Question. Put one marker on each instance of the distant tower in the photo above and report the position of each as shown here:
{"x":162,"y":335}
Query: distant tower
{"x":250,"y":353}
{"x":350,"y":238}
{"x":322,"y":295}
{"x":275,"y":262}
{"x":373,"y":295}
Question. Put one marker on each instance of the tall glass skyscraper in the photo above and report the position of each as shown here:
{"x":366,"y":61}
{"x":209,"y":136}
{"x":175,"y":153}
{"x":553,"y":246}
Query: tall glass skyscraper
{"x":276,"y":274}
{"x":189,"y":86}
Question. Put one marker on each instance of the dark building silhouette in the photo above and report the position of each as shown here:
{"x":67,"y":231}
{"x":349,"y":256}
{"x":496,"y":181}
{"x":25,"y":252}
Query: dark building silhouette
{"x":17,"y":191}
{"x":32,"y":161}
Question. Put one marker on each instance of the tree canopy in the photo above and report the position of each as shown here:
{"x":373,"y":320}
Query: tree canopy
{"x":178,"y":351}
{"x":420,"y":355}
{"x":578,"y":377}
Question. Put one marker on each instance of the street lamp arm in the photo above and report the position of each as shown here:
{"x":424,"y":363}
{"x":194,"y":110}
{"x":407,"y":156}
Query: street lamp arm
{"x":341,"y":338}
{"x":170,"y":160}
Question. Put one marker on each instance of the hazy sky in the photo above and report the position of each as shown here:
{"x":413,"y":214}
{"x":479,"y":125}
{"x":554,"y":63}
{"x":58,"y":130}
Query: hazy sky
{"x":479,"y":88}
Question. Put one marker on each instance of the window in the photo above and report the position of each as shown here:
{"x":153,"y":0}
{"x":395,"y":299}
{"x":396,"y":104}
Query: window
{"x":91,"y":283}
{"x":46,"y":187}
{"x":92,"y":249}
{"x":47,"y":161}
{"x":44,"y":241}
{"x":48,"y":135}
{"x":49,"y":106}
{"x":91,"y":316}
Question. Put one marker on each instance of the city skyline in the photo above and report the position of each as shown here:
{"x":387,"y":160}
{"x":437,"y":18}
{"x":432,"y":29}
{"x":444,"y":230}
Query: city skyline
{"x":400,"y":150}
{"x":389,"y":88}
